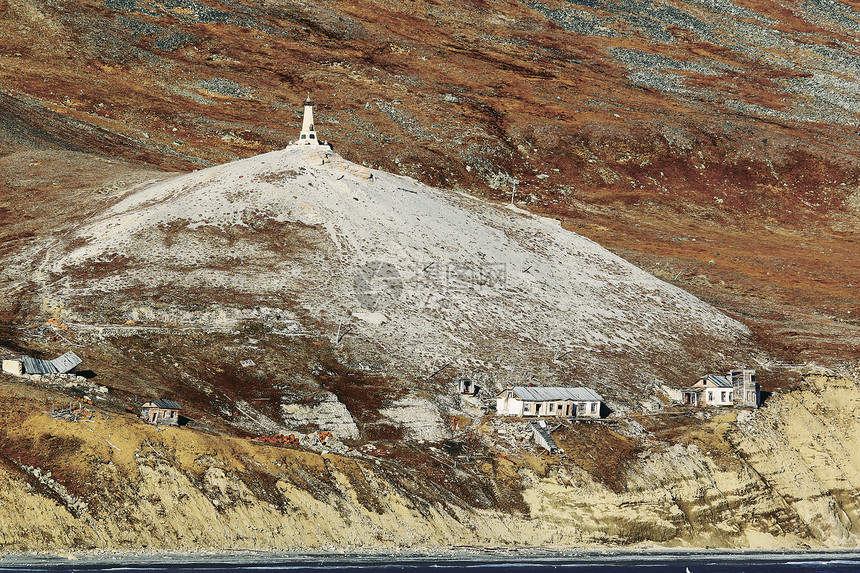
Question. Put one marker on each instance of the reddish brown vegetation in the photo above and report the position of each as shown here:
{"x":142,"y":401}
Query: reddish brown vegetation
{"x":454,"y":98}
{"x":600,"y":451}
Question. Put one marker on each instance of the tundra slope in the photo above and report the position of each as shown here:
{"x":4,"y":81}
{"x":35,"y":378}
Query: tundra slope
{"x":417,"y":277}
{"x":637,"y":123}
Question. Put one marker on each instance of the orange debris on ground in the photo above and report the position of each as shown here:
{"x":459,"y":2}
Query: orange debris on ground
{"x":278,"y":439}
{"x":289,"y":439}
{"x":57,"y":323}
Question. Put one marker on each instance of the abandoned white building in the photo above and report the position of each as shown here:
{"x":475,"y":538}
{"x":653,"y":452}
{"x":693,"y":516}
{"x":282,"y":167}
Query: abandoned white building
{"x":65,"y":364}
{"x":161,"y":412}
{"x":738,"y":388}
{"x":710,"y":390}
{"x":537,"y":401}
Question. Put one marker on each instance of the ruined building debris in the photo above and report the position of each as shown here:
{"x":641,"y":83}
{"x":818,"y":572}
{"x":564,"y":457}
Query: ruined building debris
{"x":468,"y":387}
{"x":65,"y":364}
{"x":542,"y":436}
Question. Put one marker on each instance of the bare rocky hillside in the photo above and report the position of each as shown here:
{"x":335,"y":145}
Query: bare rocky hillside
{"x":413,"y":281}
{"x":685,"y":190}
{"x":640,"y":126}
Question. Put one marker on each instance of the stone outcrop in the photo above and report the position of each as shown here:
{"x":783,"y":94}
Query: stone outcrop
{"x":329,"y":415}
{"x":419,"y":418}
{"x":783,"y":476}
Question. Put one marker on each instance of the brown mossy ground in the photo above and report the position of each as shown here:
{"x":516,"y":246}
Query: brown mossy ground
{"x":599,"y":450}
{"x":793,"y":284}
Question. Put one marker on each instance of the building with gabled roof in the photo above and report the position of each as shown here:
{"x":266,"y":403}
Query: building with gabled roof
{"x":161,"y":412}
{"x":557,"y":401}
{"x":710,"y":390}
{"x":738,"y":388}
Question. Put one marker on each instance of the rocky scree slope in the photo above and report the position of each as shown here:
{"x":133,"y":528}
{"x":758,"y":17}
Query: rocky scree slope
{"x":419,"y":278}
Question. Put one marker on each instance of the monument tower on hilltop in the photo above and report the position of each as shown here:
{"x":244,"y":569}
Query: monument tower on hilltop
{"x":308,"y":135}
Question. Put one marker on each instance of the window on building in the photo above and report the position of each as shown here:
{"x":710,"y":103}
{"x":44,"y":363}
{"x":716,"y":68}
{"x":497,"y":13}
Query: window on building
{"x":710,"y":396}
{"x":593,"y":407}
{"x":723,"y":396}
{"x":304,"y":136}
{"x":311,"y":136}
{"x":551,"y":407}
{"x":526,"y":408}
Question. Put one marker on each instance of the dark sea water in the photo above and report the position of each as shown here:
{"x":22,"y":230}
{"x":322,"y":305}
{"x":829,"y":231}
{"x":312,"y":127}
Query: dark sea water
{"x":472,"y":562}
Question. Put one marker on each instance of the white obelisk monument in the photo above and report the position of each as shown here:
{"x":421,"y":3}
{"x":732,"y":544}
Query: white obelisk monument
{"x":308,"y":136}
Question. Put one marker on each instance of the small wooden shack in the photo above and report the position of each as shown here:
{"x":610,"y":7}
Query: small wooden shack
{"x":161,"y":412}
{"x":747,"y":392}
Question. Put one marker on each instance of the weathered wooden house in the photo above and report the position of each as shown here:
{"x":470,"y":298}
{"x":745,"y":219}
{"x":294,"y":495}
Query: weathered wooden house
{"x":540,"y":401}
{"x":747,"y":392}
{"x":738,"y":388}
{"x":161,"y":412}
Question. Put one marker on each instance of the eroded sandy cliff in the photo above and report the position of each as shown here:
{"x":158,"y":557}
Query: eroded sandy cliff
{"x":784,"y":476}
